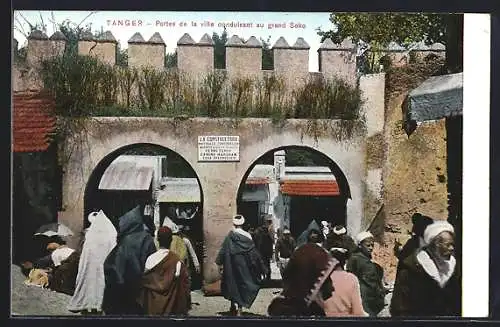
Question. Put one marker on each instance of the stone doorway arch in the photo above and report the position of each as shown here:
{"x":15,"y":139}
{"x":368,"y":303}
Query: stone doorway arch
{"x":260,"y":183}
{"x":177,"y":169}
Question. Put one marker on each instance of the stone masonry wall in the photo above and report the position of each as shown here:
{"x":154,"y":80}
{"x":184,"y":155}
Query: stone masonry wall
{"x":414,"y":179}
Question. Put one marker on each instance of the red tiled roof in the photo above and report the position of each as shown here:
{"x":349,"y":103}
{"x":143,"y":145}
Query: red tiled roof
{"x":310,"y":187}
{"x":257,"y":180}
{"x":33,"y":121}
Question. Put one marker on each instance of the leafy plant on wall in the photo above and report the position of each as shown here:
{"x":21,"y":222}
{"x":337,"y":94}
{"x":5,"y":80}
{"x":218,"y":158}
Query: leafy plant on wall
{"x":375,"y":31}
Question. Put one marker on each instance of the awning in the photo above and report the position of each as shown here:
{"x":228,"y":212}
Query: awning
{"x":126,"y":176}
{"x":310,"y":187}
{"x":257,"y":181}
{"x":179,"y":190}
{"x":255,"y":192}
{"x":437,"y":97}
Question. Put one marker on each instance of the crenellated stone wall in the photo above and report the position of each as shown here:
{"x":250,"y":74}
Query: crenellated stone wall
{"x":400,"y":56}
{"x":243,"y":58}
{"x":196,"y":59}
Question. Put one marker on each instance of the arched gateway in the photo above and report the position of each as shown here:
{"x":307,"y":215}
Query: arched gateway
{"x":219,"y":180}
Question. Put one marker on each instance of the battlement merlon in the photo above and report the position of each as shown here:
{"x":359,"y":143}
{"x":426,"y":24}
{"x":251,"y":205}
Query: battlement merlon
{"x":338,"y":60}
{"x":103,"y":48}
{"x":142,"y":53}
{"x":41,"y":47}
{"x":243,"y":58}
{"x":195,"y":58}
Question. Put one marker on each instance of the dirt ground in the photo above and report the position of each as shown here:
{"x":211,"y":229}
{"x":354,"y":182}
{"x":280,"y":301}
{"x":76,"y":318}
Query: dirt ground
{"x":36,"y":301}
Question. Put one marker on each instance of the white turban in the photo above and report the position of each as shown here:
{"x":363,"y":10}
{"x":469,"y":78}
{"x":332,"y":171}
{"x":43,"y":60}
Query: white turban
{"x":170,"y":224}
{"x":238,"y":220}
{"x":436,"y":228}
{"x":363,"y":236}
{"x":92,"y":216}
{"x":61,"y":254}
{"x":339,"y":230}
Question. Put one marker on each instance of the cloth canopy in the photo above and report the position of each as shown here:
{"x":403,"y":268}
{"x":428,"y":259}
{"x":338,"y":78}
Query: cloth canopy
{"x":53,"y":229}
{"x":437,"y":97}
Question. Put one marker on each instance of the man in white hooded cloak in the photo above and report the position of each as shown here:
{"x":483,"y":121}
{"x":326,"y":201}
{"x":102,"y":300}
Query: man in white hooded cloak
{"x":100,"y":239}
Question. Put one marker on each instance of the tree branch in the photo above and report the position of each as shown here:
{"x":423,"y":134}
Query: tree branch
{"x":53,"y":21}
{"x":86,"y":17}
{"x":20,"y":28}
{"x":27,"y":21}
{"x":43,"y":27}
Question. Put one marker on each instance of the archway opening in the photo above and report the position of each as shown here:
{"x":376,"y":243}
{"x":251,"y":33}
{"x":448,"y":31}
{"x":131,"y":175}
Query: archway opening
{"x":157,"y":179}
{"x":293,"y":187}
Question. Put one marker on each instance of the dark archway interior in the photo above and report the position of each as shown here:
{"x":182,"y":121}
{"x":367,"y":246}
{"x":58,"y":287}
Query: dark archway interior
{"x":95,"y":199}
{"x":303,"y":209}
{"x":117,"y":203}
{"x":36,"y":200}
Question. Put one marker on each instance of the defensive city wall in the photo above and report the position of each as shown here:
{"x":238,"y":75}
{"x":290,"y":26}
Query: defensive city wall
{"x":195,"y":59}
{"x":360,"y":156}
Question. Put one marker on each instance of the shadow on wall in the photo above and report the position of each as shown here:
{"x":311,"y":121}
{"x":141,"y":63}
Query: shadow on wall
{"x":377,"y":226}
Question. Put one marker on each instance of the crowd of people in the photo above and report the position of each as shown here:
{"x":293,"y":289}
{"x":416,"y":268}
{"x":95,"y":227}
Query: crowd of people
{"x":128,"y":270}
{"x":327,"y":273}
{"x":133,"y":270}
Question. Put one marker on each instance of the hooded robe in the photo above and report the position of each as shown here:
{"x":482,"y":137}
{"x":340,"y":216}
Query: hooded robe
{"x":242,"y":268}
{"x":124,"y":266}
{"x":306,"y":277}
{"x":165,"y":287}
{"x":100,"y":239}
{"x":370,"y":276}
{"x":302,"y":239}
{"x":418,"y":292}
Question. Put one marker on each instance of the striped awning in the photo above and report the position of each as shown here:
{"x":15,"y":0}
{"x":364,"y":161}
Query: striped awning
{"x":310,"y":187}
{"x":257,"y":181}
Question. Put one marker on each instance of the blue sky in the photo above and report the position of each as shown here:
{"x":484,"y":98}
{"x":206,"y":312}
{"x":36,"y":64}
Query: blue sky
{"x":296,"y":25}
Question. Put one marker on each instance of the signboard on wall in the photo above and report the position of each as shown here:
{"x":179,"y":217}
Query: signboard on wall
{"x":218,"y":148}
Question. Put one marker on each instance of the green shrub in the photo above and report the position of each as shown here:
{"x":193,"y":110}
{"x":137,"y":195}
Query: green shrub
{"x":83,"y":86}
{"x":127,"y":77}
{"x":327,"y":99}
{"x":211,"y":93}
{"x":242,"y":92}
{"x":270,"y":95}
{"x":74,"y":82}
{"x":151,"y":84}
